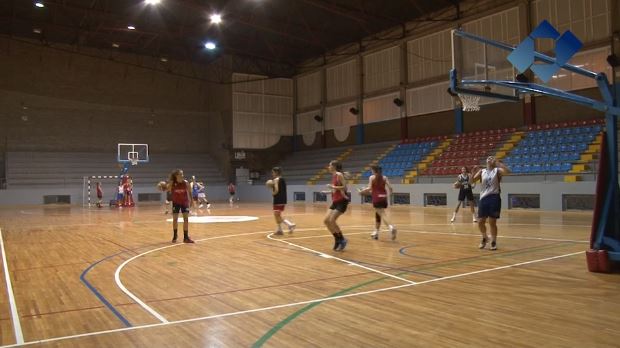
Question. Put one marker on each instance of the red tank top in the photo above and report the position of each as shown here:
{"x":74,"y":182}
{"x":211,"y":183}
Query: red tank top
{"x":337,"y":195}
{"x":378,"y":189}
{"x":179,"y":193}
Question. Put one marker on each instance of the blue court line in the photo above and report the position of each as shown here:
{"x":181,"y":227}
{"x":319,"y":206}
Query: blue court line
{"x":402,"y":252}
{"x":99,"y":295}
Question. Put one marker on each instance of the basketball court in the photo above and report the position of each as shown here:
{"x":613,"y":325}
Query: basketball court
{"x":111,"y":277}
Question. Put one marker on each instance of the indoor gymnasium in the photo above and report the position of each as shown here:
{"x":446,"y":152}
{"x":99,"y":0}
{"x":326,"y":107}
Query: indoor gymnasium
{"x":309,"y":173}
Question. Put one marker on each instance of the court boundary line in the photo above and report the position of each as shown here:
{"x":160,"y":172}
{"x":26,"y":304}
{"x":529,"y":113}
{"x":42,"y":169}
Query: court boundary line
{"x":351,"y":263}
{"x":163,"y":319}
{"x":17,"y":326}
{"x":329,"y":298}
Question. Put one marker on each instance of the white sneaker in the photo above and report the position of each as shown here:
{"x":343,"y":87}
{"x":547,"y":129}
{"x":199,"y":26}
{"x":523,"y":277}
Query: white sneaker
{"x":393,"y":232}
{"x":453,"y":217}
{"x":374,"y":235}
{"x":474,"y":219}
{"x":209,"y":206}
{"x":291,"y":228}
{"x":200,"y":206}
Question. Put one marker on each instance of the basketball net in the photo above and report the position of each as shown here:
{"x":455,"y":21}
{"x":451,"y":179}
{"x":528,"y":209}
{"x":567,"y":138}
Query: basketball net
{"x":134,"y":161}
{"x":469,"y":102}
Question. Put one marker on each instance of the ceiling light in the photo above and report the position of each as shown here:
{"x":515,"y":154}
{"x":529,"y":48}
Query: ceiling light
{"x":164,"y":59}
{"x":152,"y":2}
{"x":36,"y":30}
{"x":216,"y":18}
{"x":131,"y":27}
{"x":210,"y":45}
{"x":115,"y":45}
{"x":39,"y":4}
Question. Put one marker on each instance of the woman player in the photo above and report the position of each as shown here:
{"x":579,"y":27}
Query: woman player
{"x":465,"y":186}
{"x":377,"y":184}
{"x":181,"y":200}
{"x":340,"y":201}
{"x":278,"y":190}
{"x":231,"y":191}
{"x":99,"y":194}
{"x":490,"y":204}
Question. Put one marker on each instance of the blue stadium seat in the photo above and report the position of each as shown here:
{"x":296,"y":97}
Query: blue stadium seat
{"x":566,"y":167}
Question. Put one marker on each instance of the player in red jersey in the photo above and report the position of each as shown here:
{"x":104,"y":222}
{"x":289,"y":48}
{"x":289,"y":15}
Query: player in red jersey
{"x":99,"y":194}
{"x":340,"y":201}
{"x":181,"y":200}
{"x":378,"y":186}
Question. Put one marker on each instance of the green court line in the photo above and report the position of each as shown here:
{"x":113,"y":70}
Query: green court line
{"x":298,"y":313}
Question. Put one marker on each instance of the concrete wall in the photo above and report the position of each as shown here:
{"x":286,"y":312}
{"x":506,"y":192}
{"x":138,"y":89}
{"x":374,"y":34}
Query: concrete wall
{"x":63,"y":99}
{"x":550,"y":192}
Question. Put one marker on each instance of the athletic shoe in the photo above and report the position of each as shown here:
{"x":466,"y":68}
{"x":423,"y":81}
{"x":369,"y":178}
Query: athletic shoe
{"x":342,"y":244}
{"x":187,"y":240}
{"x":374,"y":235}
{"x":278,"y":233}
{"x":474,"y":219}
{"x":336,"y":244}
{"x":493,"y":245}
{"x":208,"y":205}
{"x":453,"y":217}
{"x":483,"y":243}
{"x":200,"y":206}
{"x":174,"y":239}
{"x":291,"y":228}
{"x":393,"y":232}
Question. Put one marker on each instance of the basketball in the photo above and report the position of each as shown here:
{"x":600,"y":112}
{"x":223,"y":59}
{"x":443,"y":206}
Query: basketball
{"x":162,"y":186}
{"x":364,"y":192}
{"x":269,"y":183}
{"x":457,"y":185}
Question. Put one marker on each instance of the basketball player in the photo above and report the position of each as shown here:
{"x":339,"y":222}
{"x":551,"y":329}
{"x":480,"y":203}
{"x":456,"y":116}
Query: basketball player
{"x":194,"y":189}
{"x":181,"y":198}
{"x":202,"y":195}
{"x":231,"y":191}
{"x":99,"y":194}
{"x":278,"y":191}
{"x":128,"y":191}
{"x":340,"y":201}
{"x":490,"y":204}
{"x":377,"y":184}
{"x":465,"y":186}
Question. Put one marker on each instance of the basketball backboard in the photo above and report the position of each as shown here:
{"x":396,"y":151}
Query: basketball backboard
{"x":134,"y":153}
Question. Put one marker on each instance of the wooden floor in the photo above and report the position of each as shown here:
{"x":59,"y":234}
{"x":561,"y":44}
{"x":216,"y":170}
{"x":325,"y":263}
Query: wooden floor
{"x":111,"y":278}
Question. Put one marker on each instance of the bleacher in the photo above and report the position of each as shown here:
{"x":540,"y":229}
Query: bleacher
{"x":405,"y":157}
{"x":300,"y":166}
{"x":553,"y":148}
{"x":65,"y":169}
{"x":468,"y":149}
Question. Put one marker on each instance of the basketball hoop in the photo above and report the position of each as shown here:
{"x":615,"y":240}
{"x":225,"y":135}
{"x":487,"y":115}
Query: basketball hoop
{"x":134,"y":161}
{"x":469,"y":102}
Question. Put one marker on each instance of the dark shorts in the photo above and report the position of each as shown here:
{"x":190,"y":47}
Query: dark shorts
{"x":279,"y":207}
{"x":380,"y":204}
{"x":176,"y":208}
{"x":341,"y":206}
{"x":490,"y":206}
{"x":466,"y":193}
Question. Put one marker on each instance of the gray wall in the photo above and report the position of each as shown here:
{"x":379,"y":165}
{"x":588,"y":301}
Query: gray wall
{"x":61,"y":99}
{"x":550,"y":192}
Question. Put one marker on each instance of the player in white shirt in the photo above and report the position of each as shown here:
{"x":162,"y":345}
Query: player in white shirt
{"x":490,"y":204}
